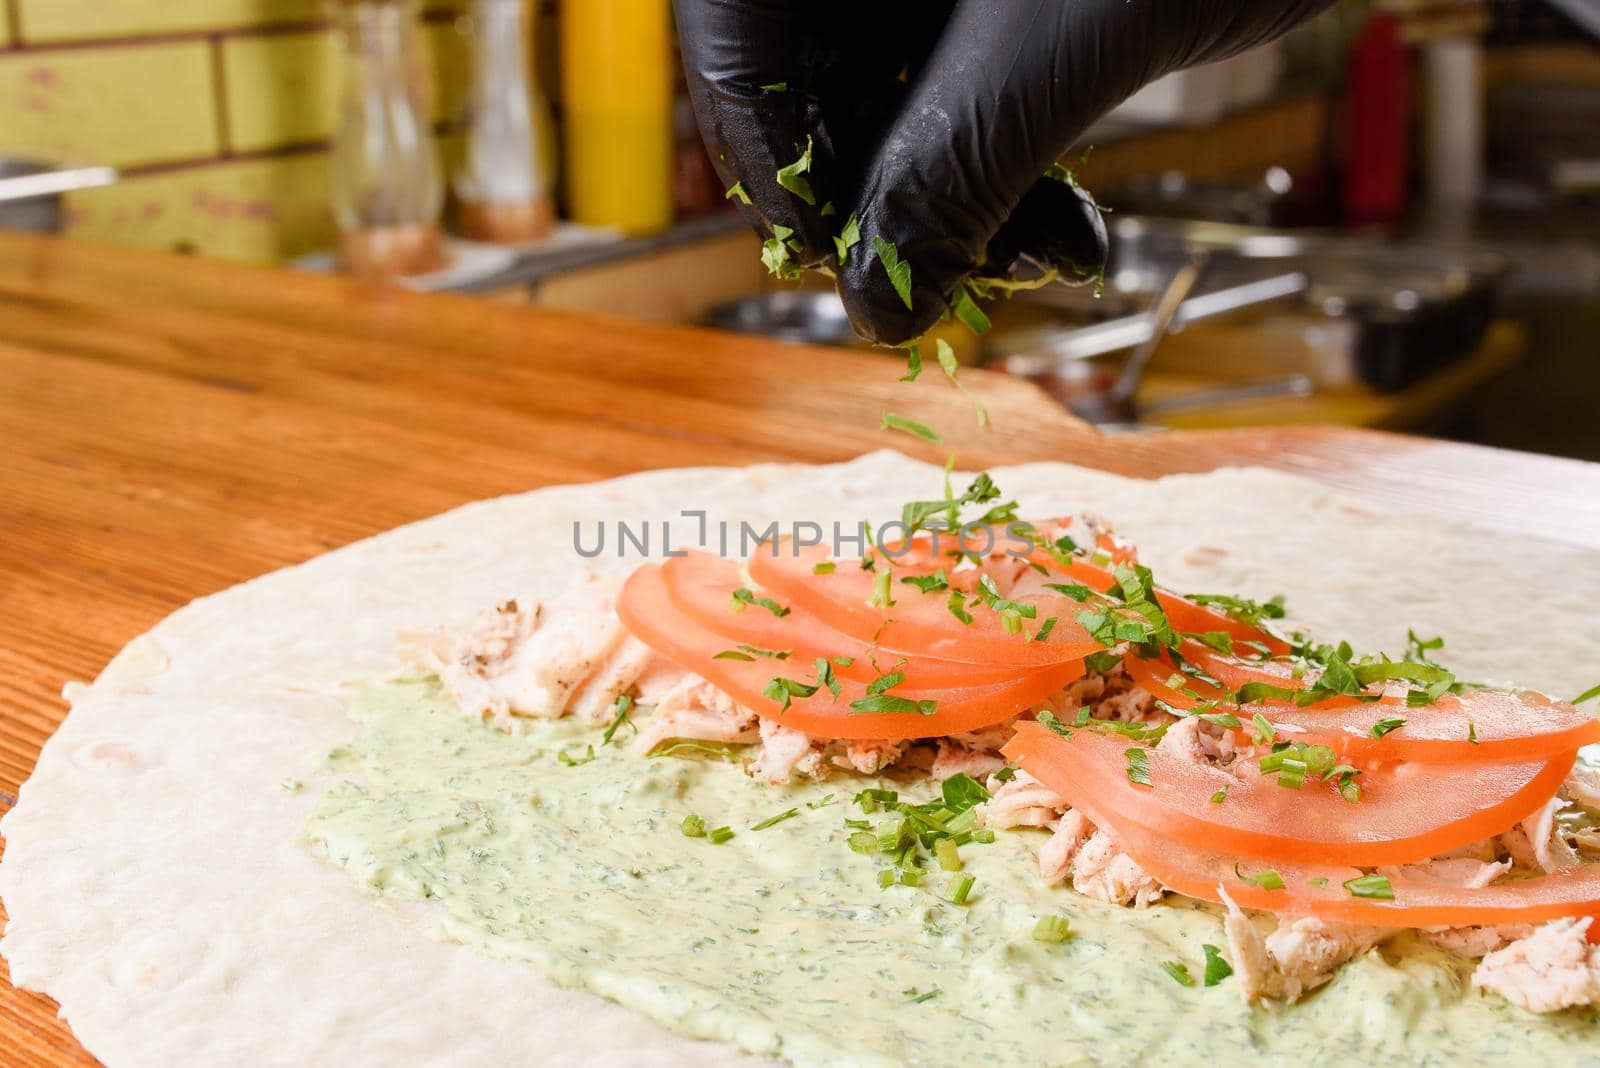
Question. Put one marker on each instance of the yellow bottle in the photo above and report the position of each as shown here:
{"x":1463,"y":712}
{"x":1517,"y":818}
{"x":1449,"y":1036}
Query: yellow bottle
{"x":616,"y":88}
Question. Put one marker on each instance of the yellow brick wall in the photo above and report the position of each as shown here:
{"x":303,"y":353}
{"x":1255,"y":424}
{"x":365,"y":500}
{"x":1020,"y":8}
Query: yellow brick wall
{"x":217,"y":112}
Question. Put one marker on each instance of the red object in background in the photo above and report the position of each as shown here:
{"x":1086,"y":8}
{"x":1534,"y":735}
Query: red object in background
{"x":1377,"y":116}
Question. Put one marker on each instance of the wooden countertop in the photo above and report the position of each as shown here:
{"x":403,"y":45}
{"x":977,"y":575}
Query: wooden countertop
{"x":171,"y":427}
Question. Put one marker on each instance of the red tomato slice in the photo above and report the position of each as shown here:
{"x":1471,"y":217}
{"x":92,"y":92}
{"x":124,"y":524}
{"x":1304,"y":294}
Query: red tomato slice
{"x":701,"y":587}
{"x":646,"y":609}
{"x":1407,"y":812}
{"x":918,"y":624}
{"x":1155,"y":675}
{"x":1519,"y":725}
{"x":1234,"y":671}
{"x":1200,"y":872}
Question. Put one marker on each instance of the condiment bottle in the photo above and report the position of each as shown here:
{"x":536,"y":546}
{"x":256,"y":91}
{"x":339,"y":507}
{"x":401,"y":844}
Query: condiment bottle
{"x":503,"y":182}
{"x":616,"y":92}
{"x":386,"y":188}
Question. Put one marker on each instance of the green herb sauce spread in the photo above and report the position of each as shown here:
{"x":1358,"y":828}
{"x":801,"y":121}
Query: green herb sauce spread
{"x":781,"y":941}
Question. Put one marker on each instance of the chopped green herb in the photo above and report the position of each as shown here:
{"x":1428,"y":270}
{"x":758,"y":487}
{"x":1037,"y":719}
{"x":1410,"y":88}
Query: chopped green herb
{"x":776,"y":87}
{"x":785,"y":690}
{"x":1587,"y":695}
{"x":1384,"y":726}
{"x":620,"y":716}
{"x":888,"y":703}
{"x":1217,"y":969}
{"x":1261,"y":731}
{"x":1044,"y":630}
{"x":790,"y":177}
{"x":848,"y":237}
{"x":959,"y":887}
{"x":573,"y":762}
{"x":882,"y":597}
{"x":898,"y":270}
{"x":1179,"y":972}
{"x":773,"y":821}
{"x":952,"y":368}
{"x":1138,"y":765}
{"x":1266,"y":878}
{"x":1049,"y":719}
{"x":1317,"y":880}
{"x":966,"y":309}
{"x":693,"y":826}
{"x":1052,"y":929}
{"x":736,"y":192}
{"x":917,"y":999}
{"x":958,"y":607}
{"x":1075,"y":590}
{"x":721,"y":752}
{"x":885,"y":878}
{"x":1472,"y":732}
{"x":1220,"y":796}
{"x":1373,"y":886}
{"x":933,"y":583}
{"x":886,"y":682}
{"x":913,"y":364}
{"x":743,"y":598}
{"x":944,"y":851}
{"x":720,"y":835}
{"x":915,"y":429}
{"x":827,"y":567}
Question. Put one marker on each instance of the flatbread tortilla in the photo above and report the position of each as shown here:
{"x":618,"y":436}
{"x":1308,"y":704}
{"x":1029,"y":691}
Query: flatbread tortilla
{"x":152,"y":874}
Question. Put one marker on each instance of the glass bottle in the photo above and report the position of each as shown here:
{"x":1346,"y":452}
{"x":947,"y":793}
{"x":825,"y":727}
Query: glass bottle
{"x":502,"y":184}
{"x":386,"y":189}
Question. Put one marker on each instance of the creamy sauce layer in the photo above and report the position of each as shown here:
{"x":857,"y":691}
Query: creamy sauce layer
{"x":781,"y":941}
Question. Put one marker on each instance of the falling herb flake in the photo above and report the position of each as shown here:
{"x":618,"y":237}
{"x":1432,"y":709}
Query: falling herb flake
{"x":898,"y":270}
{"x":947,"y":361}
{"x":966,"y":309}
{"x":848,"y":237}
{"x":915,"y":429}
{"x":913,"y":364}
{"x":790,"y":177}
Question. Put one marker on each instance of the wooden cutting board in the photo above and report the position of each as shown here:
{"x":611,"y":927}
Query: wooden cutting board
{"x":170,"y":427}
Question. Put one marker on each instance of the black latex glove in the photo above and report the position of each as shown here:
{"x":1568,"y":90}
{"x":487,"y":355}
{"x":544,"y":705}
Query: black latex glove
{"x":933,"y":120}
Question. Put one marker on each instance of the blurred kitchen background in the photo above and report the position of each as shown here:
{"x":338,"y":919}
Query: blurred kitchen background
{"x":1390,"y":218}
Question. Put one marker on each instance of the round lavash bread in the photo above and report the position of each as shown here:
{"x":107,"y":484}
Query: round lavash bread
{"x":152,"y":873}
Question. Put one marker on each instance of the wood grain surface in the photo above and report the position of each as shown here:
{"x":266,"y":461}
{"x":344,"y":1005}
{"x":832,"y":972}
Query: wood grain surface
{"x":170,"y":427}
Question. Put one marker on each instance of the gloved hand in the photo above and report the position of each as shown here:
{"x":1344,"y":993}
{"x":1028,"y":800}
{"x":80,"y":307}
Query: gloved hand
{"x":933,"y":121}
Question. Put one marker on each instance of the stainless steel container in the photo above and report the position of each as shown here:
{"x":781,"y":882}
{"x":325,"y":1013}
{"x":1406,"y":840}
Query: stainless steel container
{"x":31,"y":191}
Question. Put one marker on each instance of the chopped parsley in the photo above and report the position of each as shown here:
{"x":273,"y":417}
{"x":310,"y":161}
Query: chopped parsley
{"x":1138,"y":765}
{"x":1374,"y":886}
{"x":909,"y":426}
{"x":736,"y":192}
{"x":827,"y":567}
{"x":951,"y":368}
{"x":1217,"y":969}
{"x":1052,"y":929}
{"x":620,"y":710}
{"x":966,"y":309}
{"x":790,"y":177}
{"x":1179,"y":972}
{"x":773,"y":821}
{"x":848,"y":237}
{"x":898,"y":270}
{"x":743,"y":598}
{"x":1266,"y":878}
{"x":750,"y":652}
{"x":934,"y":583}
{"x":1385,"y":726}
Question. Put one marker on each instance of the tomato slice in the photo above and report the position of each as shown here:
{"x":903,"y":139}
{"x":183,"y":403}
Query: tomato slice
{"x":1407,"y":812}
{"x":702,"y":585}
{"x":1317,"y":889}
{"x":646,"y":609}
{"x":919,"y":624}
{"x":1479,"y":725}
{"x":1156,"y":675}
